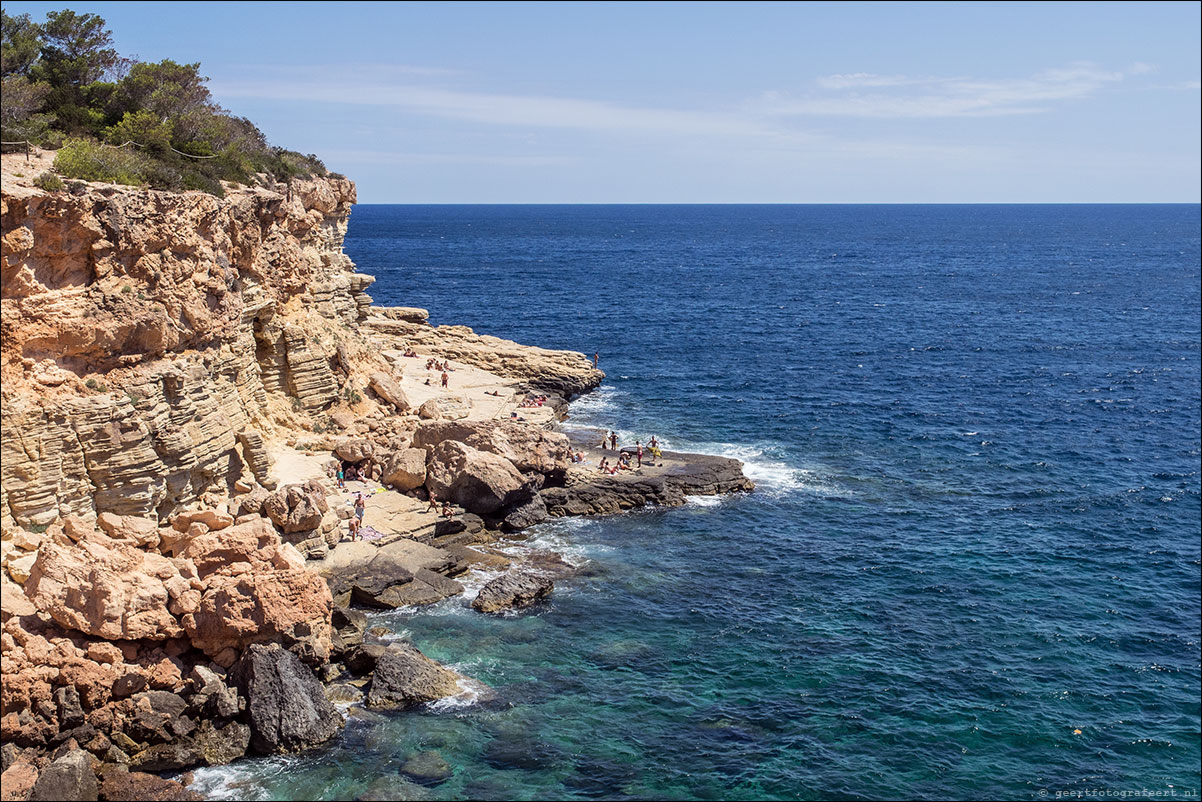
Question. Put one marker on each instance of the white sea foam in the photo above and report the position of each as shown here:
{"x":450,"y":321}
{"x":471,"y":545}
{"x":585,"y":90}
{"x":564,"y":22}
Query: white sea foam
{"x":704,"y":501}
{"x":241,"y":780}
{"x":773,"y":477}
{"x":471,"y":691}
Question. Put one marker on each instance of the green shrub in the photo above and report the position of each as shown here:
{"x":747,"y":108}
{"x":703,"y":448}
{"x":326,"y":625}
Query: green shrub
{"x":142,"y":127}
{"x":90,"y":161}
{"x":49,"y":182}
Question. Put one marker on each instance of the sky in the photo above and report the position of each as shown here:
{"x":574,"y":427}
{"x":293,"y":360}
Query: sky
{"x":706,"y":102}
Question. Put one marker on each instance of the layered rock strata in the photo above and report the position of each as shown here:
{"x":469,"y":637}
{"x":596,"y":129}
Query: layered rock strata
{"x":160,"y":606}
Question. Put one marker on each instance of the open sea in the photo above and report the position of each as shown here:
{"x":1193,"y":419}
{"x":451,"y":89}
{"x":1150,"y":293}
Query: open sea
{"x":970,"y":568}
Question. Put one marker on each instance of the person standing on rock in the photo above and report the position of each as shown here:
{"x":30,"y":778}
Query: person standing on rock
{"x":444,"y":378}
{"x":360,"y":506}
{"x":639,"y":452}
{"x":596,"y":357}
{"x":613,"y":441}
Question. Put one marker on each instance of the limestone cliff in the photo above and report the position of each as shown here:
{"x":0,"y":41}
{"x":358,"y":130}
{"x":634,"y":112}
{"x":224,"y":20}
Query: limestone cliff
{"x":151,"y":340}
{"x":157,"y":348}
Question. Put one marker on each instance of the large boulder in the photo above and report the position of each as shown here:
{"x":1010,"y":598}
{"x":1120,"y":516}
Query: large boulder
{"x":113,"y":590}
{"x":256,"y":590}
{"x":297,"y":508}
{"x":405,"y":469}
{"x":142,"y":532}
{"x":355,"y":449}
{"x":287,"y":706}
{"x":476,"y":480}
{"x":387,"y":388}
{"x":512,"y":590}
{"x":291,"y":607}
{"x":70,"y":777}
{"x":251,"y":546}
{"x":526,"y":514}
{"x":529,"y":448}
{"x":404,"y":676}
{"x":445,"y":408}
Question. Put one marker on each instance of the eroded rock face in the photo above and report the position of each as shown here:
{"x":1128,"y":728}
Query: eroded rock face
{"x":297,"y":508}
{"x":476,"y":480}
{"x":287,"y":705}
{"x":528,"y":448}
{"x":144,"y":336}
{"x":113,"y":590}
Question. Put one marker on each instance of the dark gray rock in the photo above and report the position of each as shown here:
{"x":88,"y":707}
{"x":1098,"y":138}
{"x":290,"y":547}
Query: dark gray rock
{"x":348,"y":627}
{"x":403,"y":676}
{"x":512,"y":590}
{"x":287,"y":705}
{"x":69,"y":777}
{"x":682,"y":475}
{"x":526,"y":515}
{"x":70,"y":713}
{"x":363,"y":658}
{"x":219,"y":746}
{"x":174,"y":756}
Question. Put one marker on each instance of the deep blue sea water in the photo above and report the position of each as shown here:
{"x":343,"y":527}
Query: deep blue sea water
{"x":971,"y":567}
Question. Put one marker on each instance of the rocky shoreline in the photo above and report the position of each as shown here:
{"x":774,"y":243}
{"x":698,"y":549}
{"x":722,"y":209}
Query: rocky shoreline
{"x":184,"y":378}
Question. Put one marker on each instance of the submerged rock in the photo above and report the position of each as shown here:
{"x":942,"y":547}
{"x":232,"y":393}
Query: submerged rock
{"x":392,"y":788}
{"x":427,"y":768}
{"x":513,"y":590}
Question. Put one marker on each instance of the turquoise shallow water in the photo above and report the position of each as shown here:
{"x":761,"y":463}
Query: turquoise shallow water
{"x":975,"y":432}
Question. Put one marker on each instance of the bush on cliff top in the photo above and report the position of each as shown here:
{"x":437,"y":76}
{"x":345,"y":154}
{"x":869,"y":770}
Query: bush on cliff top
{"x":129,"y":122}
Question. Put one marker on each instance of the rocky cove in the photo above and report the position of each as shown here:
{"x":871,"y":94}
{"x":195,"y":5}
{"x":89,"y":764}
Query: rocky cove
{"x":183,"y":378}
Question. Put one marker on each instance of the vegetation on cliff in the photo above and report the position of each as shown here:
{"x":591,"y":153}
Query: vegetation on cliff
{"x":117,"y":119}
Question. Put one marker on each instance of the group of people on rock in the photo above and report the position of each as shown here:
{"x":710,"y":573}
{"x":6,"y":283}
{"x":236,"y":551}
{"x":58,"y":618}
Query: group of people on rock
{"x":434,"y":364}
{"x":609,"y":442}
{"x":446,"y":511}
{"x":352,"y":473}
{"x":409,"y":352}
{"x":533,"y":401}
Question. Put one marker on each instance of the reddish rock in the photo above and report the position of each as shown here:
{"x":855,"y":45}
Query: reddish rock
{"x":291,"y":607}
{"x":17,"y":782}
{"x":110,"y":589}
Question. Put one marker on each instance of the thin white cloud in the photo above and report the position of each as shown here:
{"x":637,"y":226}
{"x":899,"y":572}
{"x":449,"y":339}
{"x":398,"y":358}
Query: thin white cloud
{"x":531,"y":111}
{"x":860,"y":80}
{"x":899,"y":96}
{"x":377,"y":157}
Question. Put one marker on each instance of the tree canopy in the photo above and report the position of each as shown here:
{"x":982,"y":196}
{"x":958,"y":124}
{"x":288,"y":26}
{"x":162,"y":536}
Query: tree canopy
{"x":65,"y":85}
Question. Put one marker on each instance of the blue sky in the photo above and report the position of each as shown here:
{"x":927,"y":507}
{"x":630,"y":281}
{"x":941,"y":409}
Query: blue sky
{"x":708,"y":102}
